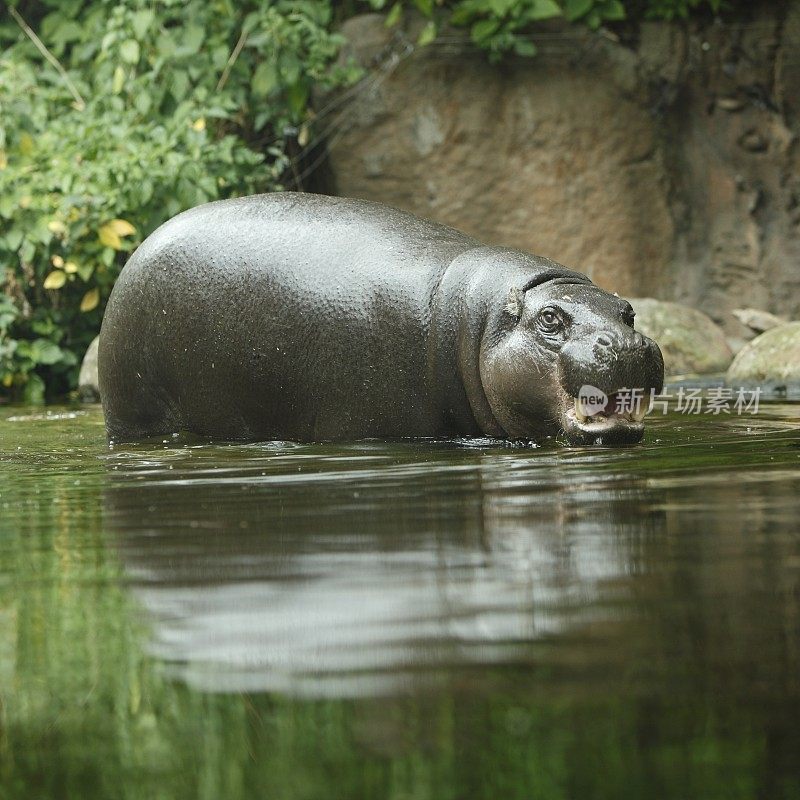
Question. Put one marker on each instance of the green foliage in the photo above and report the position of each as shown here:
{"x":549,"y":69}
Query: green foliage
{"x":162,"y":105}
{"x":497,"y":25}
{"x":680,"y":9}
{"x":594,"y":12}
{"x":502,"y":27}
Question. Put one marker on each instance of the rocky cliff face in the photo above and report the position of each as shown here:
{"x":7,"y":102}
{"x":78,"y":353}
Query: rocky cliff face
{"x":665,"y":166}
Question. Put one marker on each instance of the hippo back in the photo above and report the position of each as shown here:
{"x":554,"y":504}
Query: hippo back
{"x":276,"y":316}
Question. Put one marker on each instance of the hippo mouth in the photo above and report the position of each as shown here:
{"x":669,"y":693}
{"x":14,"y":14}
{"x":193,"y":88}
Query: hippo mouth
{"x":617,"y":422}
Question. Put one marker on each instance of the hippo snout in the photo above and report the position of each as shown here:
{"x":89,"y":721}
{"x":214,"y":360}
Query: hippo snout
{"x":609,"y":376}
{"x":611,"y":360}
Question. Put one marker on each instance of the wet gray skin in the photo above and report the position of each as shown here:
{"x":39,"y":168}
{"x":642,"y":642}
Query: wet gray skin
{"x":310,"y":318}
{"x":568,"y":336}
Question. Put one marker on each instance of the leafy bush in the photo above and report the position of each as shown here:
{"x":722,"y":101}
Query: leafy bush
{"x":128,"y":112}
{"x":502,"y":26}
{"x":679,"y":9}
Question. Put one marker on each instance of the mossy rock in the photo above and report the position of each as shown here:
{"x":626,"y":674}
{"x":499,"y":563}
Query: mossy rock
{"x":771,"y":360}
{"x":690,"y":341}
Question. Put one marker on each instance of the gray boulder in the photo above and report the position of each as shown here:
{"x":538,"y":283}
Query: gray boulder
{"x":771,"y":360}
{"x":691,"y":342}
{"x":758,"y":321}
{"x":88,"y":386}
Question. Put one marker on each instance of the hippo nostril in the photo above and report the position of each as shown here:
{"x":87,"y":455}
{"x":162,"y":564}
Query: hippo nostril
{"x":604,"y":340}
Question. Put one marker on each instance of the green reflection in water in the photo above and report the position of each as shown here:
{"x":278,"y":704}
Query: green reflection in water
{"x":662,"y":661}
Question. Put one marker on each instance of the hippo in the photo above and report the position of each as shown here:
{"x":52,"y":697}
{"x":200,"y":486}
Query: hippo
{"x":292,"y":316}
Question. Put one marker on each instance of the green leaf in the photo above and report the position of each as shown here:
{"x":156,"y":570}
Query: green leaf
{"x":265,"y":79}
{"x":394,"y":15}
{"x":192,"y":39}
{"x":14,"y":239}
{"x":145,"y":192}
{"x":427,"y":34}
{"x":85,"y":270}
{"x":297,"y":97}
{"x":250,"y":22}
{"x":575,"y":9}
{"x":522,"y":47}
{"x":8,"y":312}
{"x":179,"y":86}
{"x":67,"y":32}
{"x":142,"y":21}
{"x":142,"y":102}
{"x":425,"y":7}
{"x":27,"y":251}
{"x":108,"y":40}
{"x":483,"y":30}
{"x":543,"y":9}
{"x":119,"y":80}
{"x":612,"y":10}
{"x":44,"y":327}
{"x":464,"y":14}
{"x":33,"y":394}
{"x":500,"y":7}
{"x":165,"y":44}
{"x":261,"y":119}
{"x":129,"y":51}
{"x":43,"y":351}
{"x":68,"y":358}
{"x":290,"y":68}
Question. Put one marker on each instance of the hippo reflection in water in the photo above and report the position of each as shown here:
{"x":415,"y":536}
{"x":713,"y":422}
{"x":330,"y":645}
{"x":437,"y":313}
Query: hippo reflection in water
{"x":304,"y":317}
{"x":371,"y":568}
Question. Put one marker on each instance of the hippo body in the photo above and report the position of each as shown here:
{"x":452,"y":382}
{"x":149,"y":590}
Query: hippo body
{"x":305,"y":317}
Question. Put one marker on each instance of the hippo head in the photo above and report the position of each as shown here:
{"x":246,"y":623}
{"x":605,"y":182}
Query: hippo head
{"x":563,"y":356}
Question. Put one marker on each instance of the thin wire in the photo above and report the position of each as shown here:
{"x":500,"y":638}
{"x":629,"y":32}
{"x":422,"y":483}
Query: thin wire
{"x":298,"y":178}
{"x":366,"y":84}
{"x":328,"y":134}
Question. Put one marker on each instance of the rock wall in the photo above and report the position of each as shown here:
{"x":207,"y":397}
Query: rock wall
{"x":662,"y":166}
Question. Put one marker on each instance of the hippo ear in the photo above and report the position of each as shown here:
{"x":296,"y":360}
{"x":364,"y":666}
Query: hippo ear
{"x":513,"y":306}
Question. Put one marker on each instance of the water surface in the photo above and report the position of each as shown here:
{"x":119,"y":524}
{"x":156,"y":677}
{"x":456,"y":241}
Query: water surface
{"x":405,"y":620}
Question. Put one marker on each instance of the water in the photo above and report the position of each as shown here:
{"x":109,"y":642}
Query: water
{"x":412,"y":620}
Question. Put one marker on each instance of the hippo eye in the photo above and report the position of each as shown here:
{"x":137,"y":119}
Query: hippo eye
{"x":549,"y":321}
{"x":628,"y":315}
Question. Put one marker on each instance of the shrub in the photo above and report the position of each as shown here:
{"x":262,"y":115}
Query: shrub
{"x":126,"y":113}
{"x":503,"y":26}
